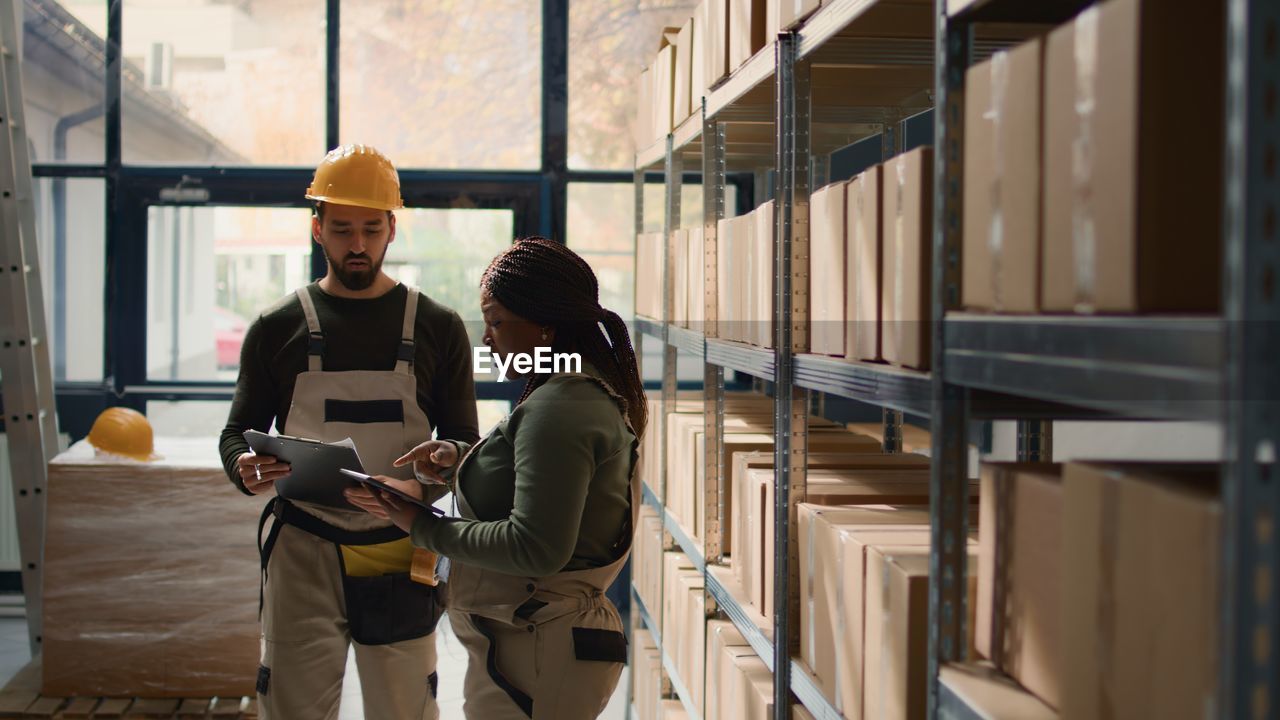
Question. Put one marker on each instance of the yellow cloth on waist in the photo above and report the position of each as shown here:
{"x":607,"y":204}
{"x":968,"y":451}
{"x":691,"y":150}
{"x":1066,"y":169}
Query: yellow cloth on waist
{"x":384,"y":559}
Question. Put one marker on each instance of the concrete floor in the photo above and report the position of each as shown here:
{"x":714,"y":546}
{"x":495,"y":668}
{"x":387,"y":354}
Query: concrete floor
{"x":15,"y":653}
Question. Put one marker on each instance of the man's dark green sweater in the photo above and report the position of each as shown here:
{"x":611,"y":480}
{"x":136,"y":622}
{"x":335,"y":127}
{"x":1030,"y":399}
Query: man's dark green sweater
{"x":360,"y":334}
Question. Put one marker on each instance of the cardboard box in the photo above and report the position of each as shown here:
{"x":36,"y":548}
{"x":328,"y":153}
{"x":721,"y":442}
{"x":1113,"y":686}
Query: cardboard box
{"x":821,"y":573}
{"x":689,"y":642}
{"x":713,"y":16}
{"x":1020,"y":567}
{"x":646,"y":685}
{"x":650,"y":274}
{"x":161,"y":603}
{"x":1115,"y":231}
{"x":864,"y":269}
{"x":697,"y":280}
{"x":827,"y":268}
{"x":674,"y":710}
{"x":724,"y":643}
{"x":642,"y":131}
{"x":992,"y":694}
{"x":663,"y":75}
{"x":1141,"y":554}
{"x":751,"y":689}
{"x":761,"y":300}
{"x":782,"y":14}
{"x":731,"y":265}
{"x":746,"y":30}
{"x":1002,"y":172}
{"x":679,"y":254}
{"x":908,"y":265}
{"x":683,"y":84}
{"x":698,"y":62}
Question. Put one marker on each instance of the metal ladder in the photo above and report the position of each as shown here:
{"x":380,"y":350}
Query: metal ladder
{"x":26,"y":376}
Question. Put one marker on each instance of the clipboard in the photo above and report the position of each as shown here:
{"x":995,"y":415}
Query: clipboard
{"x":316,"y":472}
{"x":378,"y":486}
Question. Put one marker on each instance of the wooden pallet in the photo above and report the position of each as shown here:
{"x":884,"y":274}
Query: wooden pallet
{"x":21,"y":699}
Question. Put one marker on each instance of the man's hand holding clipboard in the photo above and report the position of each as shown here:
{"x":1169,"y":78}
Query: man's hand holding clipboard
{"x":399,"y":501}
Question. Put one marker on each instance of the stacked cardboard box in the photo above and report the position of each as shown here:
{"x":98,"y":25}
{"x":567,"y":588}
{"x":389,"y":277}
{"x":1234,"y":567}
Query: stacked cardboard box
{"x":150,"y":576}
{"x":646,"y":567}
{"x":907,"y":218}
{"x":688,"y":643}
{"x":650,"y":275}
{"x":782,"y":14}
{"x":992,"y":695}
{"x":747,"y":21}
{"x":1141,"y":554}
{"x":827,"y":267}
{"x":646,"y":668}
{"x":745,"y":274}
{"x":1019,"y":619}
{"x":864,"y":271}
{"x":724,"y":643}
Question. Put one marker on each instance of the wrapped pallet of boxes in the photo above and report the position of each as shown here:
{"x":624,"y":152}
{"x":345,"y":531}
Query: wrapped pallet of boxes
{"x":1001,"y":246}
{"x":896,"y":638}
{"x":1132,"y":209}
{"x":1141,"y":555}
{"x":990,"y":694}
{"x":827,"y":284}
{"x":150,"y":576}
{"x":1020,"y":566}
{"x":908,"y":249}
{"x":864,"y":271}
{"x":747,"y":20}
{"x":724,"y":643}
{"x":646,"y":684}
{"x":760,"y":300}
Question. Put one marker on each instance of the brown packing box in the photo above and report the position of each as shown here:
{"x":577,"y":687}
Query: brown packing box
{"x":864,"y":271}
{"x":897,"y":632}
{"x":751,"y":692}
{"x":827,"y":270}
{"x":908,"y":249}
{"x":821,"y":572}
{"x":649,"y":275}
{"x":642,"y":131}
{"x":713,"y":16}
{"x":782,"y":14}
{"x":914,"y":439}
{"x":161,"y":603}
{"x":1133,"y":210}
{"x":646,"y":664}
{"x":647,"y":562}
{"x":696,"y":264}
{"x":698,"y":62}
{"x":760,"y":302}
{"x":898,"y":486}
{"x":690,"y":643}
{"x":673,"y":710}
{"x":682,"y":89}
{"x":1141,"y":575}
{"x":663,"y":75}
{"x":724,"y":642}
{"x":679,"y":254}
{"x":1002,"y":179}
{"x":993,"y":695}
{"x":746,"y":30}
{"x":726,"y":267}
{"x":1020,"y":561}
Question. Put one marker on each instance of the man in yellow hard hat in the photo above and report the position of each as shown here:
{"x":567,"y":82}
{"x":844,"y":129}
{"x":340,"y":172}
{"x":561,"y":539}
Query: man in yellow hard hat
{"x":354,"y":355}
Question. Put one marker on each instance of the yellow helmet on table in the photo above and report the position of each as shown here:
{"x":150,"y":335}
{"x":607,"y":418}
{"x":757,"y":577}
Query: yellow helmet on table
{"x":357,"y":175}
{"x":123,"y":431}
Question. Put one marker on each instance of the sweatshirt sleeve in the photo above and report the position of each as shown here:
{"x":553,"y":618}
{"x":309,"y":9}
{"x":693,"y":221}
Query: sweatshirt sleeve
{"x":556,"y":436}
{"x":252,"y":408}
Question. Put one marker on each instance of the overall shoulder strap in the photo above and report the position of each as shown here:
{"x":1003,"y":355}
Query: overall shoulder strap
{"x":315,"y":346}
{"x":404,"y":358}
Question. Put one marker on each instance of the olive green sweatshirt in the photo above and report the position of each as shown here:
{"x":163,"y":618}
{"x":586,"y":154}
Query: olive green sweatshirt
{"x":549,"y":486}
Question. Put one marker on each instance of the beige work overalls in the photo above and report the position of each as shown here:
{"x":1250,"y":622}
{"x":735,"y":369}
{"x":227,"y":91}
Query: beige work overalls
{"x":549,"y":647}
{"x":312,"y":610}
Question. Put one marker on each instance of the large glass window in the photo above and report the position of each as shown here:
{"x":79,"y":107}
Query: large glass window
{"x":444,"y":83}
{"x":210,"y":81}
{"x":63,"y":76}
{"x":70,"y":229}
{"x":610,"y":42}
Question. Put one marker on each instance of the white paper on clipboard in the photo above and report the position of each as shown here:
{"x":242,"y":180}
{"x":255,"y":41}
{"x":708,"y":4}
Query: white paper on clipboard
{"x":315,"y":467}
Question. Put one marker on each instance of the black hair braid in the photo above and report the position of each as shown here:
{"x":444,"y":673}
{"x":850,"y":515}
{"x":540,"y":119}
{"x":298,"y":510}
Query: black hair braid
{"x":547,"y":283}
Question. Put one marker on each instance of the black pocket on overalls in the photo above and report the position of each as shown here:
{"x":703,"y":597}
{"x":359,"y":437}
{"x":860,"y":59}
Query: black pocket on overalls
{"x":385,"y":609}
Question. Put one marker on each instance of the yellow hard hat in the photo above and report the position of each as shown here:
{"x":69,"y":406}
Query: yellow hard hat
{"x":123,"y":431}
{"x":357,"y":175}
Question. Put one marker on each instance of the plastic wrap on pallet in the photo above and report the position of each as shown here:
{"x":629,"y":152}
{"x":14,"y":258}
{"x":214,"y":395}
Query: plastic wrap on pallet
{"x":151,"y":576}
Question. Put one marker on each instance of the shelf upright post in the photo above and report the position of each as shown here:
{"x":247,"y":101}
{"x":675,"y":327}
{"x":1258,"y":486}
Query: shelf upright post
{"x":1249,"y":685}
{"x":949,"y":486}
{"x":713,"y":186}
{"x":1035,"y":441}
{"x":673,"y":174}
{"x":791,"y":336}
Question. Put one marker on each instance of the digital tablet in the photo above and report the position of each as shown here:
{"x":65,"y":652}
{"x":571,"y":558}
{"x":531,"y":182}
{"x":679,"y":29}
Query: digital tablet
{"x":315,"y":467}
{"x":377,"y":485}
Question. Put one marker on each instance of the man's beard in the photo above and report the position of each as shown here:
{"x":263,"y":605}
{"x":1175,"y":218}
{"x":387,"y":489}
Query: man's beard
{"x":355,"y":280}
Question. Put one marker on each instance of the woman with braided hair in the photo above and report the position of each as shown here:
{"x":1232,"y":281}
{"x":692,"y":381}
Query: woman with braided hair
{"x":547,"y":499}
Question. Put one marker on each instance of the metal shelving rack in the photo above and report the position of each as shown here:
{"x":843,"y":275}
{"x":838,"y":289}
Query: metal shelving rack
{"x":1220,"y":369}
{"x":772,"y":115}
